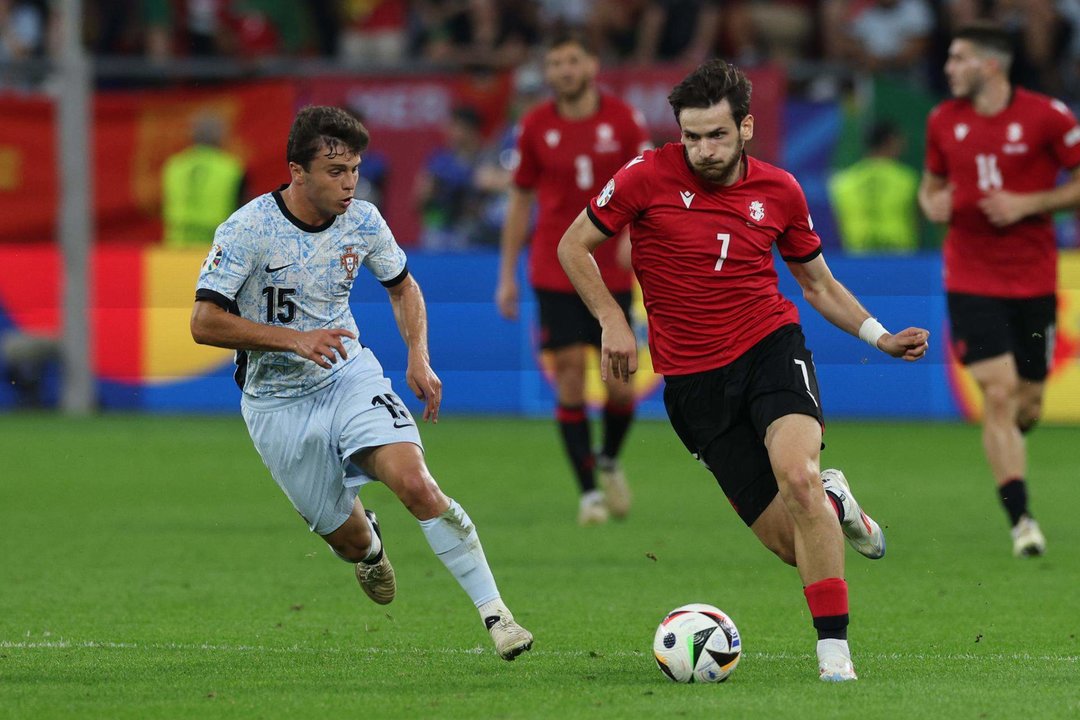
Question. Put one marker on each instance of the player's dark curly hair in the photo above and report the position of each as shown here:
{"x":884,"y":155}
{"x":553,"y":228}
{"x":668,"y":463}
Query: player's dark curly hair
{"x":712,"y":82}
{"x":322,"y":126}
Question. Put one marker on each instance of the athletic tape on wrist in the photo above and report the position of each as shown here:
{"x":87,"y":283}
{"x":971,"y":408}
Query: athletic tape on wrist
{"x":871,"y":331}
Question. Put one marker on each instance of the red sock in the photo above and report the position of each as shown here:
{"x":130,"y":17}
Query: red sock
{"x":828,"y":602}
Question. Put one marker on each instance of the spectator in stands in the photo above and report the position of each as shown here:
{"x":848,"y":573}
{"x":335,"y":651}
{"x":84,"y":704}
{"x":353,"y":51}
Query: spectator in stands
{"x":201,"y":186}
{"x":375,"y":32}
{"x":876,"y":199}
{"x":684,"y":31}
{"x":22,"y":29}
{"x":447,"y":193}
{"x":779,"y":31}
{"x":891,"y":36}
{"x":476,"y":33}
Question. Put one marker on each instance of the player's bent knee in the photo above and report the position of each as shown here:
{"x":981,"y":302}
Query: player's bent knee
{"x":800,"y":488}
{"x":420,"y":494}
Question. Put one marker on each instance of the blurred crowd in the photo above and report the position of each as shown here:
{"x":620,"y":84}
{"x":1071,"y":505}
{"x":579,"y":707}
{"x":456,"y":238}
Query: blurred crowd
{"x":461,"y":191}
{"x":904,"y":37}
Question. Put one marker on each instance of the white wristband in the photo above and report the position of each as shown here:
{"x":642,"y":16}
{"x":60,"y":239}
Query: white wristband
{"x":871,"y":331}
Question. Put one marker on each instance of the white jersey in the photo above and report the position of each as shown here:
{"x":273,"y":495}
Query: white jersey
{"x":269,"y":267}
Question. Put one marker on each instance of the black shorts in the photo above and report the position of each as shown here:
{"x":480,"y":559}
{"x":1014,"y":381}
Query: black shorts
{"x":985,"y":327}
{"x":721,"y":415}
{"x":565,"y":320}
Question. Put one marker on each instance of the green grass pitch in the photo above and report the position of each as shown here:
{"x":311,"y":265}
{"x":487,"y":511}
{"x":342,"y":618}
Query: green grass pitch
{"x":150,"y":568}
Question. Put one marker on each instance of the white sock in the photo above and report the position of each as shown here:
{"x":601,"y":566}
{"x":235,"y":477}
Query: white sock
{"x":452,"y":536}
{"x":494,"y":608}
{"x":831,"y":647}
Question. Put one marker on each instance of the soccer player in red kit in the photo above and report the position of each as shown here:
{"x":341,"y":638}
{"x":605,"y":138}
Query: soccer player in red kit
{"x":740,"y":387}
{"x":993,"y":154}
{"x":568,"y":147}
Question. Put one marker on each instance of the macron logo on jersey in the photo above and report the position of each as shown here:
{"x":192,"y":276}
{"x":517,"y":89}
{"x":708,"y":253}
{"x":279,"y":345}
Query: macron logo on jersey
{"x":961,"y":131}
{"x":687,"y":198}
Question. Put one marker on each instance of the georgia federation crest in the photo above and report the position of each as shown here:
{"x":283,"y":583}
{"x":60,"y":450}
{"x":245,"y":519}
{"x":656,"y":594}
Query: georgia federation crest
{"x":606,"y":193}
{"x":757,"y":211}
{"x":349,"y":260}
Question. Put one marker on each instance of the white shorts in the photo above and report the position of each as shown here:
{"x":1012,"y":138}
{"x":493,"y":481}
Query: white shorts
{"x":308,"y":442}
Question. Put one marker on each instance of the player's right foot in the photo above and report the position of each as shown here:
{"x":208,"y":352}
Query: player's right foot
{"x":834,"y":661}
{"x":377,"y":578}
{"x":861,"y":531}
{"x":1028,"y":540}
{"x":592,"y":510}
{"x":510,"y":638}
{"x":612,"y":481}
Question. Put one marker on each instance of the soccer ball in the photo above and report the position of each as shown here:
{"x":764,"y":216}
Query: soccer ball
{"x":697,"y":643}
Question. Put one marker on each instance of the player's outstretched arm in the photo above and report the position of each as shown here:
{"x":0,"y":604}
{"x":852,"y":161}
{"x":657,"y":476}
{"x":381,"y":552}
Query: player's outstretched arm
{"x":410,"y":312}
{"x":618,"y":345}
{"x":837,"y":305}
{"x":211,"y":325}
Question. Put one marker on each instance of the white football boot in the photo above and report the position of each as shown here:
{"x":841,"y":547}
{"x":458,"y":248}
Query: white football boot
{"x":377,"y":579}
{"x":1028,"y":540}
{"x":592,"y":510}
{"x":612,"y":481}
{"x":510,"y":638}
{"x":834,"y":661}
{"x":861,"y":531}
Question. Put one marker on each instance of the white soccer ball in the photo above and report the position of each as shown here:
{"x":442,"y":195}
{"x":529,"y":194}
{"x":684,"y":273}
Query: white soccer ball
{"x":697,"y":643}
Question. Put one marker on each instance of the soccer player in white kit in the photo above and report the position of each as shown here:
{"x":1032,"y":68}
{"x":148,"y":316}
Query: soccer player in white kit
{"x":275,"y":288}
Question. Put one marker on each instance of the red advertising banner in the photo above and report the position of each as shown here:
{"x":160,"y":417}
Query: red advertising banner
{"x":133,"y":134}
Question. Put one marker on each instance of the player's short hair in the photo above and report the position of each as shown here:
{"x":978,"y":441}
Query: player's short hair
{"x":988,"y":37}
{"x":318,"y":126}
{"x":570,"y":36}
{"x":711,"y":82}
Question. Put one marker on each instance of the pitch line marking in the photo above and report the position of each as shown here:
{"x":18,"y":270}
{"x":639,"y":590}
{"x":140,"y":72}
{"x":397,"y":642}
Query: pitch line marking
{"x":298,"y":649}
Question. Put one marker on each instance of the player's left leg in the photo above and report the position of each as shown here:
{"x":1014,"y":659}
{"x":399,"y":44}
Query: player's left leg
{"x":793,"y":443}
{"x":1034,"y":321}
{"x":569,"y":368}
{"x":1005,"y":448}
{"x":452,"y":536}
{"x":617,"y":419}
{"x":1028,"y":539}
{"x":618,"y":416}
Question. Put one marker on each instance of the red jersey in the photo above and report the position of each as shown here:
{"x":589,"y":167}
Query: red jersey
{"x":567,"y":162}
{"x":1021,"y":149}
{"x":703,"y":254}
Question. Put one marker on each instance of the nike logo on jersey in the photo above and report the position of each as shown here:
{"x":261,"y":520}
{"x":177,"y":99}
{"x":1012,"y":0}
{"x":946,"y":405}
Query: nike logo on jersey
{"x":687,"y":198}
{"x":635,"y":161}
{"x":275,"y":269}
{"x":403,"y":425}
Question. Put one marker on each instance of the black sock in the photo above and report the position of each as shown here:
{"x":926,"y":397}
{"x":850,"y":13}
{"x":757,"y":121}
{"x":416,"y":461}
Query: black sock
{"x":831,"y":627}
{"x":1014,"y":498}
{"x":574,"y":425}
{"x":617,"y":419}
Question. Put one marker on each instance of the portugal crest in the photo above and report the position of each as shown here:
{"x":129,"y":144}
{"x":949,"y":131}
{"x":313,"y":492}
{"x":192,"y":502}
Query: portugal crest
{"x":349,"y":260}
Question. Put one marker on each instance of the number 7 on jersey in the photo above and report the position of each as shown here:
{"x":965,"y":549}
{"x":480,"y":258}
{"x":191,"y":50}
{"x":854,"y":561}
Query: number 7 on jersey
{"x":725,"y":240}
